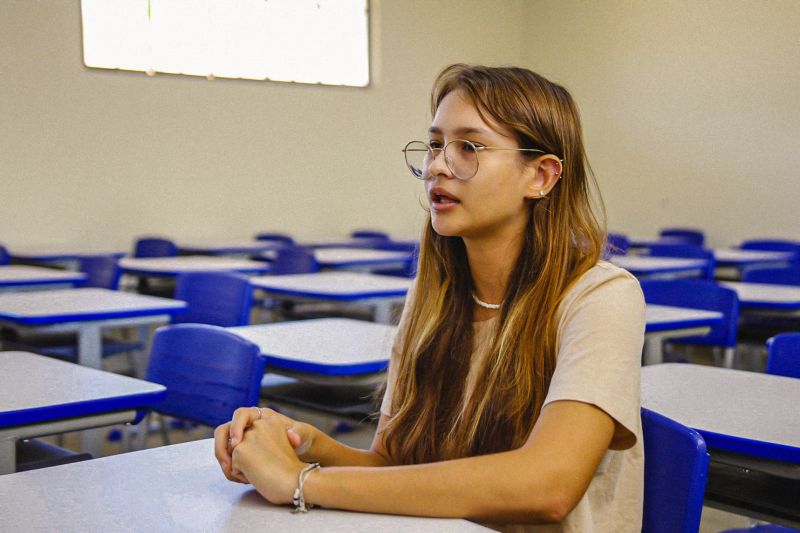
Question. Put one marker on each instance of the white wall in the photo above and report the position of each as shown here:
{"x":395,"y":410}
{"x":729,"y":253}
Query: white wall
{"x":691,"y":109}
{"x":98,"y":157}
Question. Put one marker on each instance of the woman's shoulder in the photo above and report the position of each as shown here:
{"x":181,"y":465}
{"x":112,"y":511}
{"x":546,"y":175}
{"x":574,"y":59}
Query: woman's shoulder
{"x":604,"y":281}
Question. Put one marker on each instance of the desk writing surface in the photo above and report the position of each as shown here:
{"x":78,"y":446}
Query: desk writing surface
{"x":734,"y":410}
{"x":736,"y":256}
{"x":63,"y":305}
{"x":168,"y":489}
{"x":766,"y":296}
{"x":654,"y":265}
{"x":230,"y":247}
{"x":358,"y":256}
{"x":173,"y":266}
{"x":326,"y":346}
{"x":34,"y":388}
{"x":19,"y":275}
{"x":663,"y":317}
{"x":334,"y":285}
{"x":59,"y":252}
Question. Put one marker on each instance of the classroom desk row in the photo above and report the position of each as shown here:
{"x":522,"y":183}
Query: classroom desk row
{"x":729,"y":260}
{"x":88,"y":311}
{"x":180,"y":487}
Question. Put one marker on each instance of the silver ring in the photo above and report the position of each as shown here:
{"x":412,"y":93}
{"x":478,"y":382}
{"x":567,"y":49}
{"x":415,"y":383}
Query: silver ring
{"x":260,"y":415}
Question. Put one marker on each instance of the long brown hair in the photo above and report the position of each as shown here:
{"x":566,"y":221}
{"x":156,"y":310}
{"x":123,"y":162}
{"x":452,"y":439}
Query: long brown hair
{"x":430,"y":419}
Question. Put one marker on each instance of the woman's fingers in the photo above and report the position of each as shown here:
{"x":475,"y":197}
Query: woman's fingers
{"x":222,"y":450}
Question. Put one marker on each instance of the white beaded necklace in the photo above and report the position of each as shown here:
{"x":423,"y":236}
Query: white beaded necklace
{"x":485,"y":305}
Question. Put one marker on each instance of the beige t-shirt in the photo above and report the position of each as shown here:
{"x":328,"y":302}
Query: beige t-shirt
{"x":600,"y":332}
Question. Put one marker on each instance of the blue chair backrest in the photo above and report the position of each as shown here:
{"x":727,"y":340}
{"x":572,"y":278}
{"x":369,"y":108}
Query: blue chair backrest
{"x":698,"y":294}
{"x":155,"y":247}
{"x":686,"y":250}
{"x":687,"y":235}
{"x":776,"y":276}
{"x":784,"y":355}
{"x":217,"y":298}
{"x":675,"y":475}
{"x":773,"y":245}
{"x":410,"y":269}
{"x":279,"y":237}
{"x":102,"y":270}
{"x":207,"y":370}
{"x":5,"y":258}
{"x":617,"y":243}
{"x":293,"y":260}
{"x":370,"y":234}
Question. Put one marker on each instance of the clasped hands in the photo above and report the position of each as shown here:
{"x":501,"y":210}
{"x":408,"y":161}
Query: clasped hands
{"x":264,"y":448}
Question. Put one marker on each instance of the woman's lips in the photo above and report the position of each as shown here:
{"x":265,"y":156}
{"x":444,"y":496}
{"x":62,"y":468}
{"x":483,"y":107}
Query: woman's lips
{"x":442,"y":200}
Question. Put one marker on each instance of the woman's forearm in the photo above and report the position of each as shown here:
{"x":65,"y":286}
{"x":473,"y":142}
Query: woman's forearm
{"x":329,"y":452}
{"x":493,"y":488}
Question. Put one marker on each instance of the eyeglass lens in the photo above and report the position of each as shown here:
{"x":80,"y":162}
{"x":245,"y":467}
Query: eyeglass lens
{"x":461,"y":157}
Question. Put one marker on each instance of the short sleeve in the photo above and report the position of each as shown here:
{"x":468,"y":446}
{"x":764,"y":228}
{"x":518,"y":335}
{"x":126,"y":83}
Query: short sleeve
{"x":601,"y":333}
{"x":391,"y":373}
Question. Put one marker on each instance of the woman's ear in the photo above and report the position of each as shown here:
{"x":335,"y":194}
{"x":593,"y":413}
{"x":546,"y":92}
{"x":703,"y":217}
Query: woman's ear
{"x":542,"y":175}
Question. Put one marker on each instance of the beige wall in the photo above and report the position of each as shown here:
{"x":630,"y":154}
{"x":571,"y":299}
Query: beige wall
{"x":91,"y":156}
{"x":691,"y":108}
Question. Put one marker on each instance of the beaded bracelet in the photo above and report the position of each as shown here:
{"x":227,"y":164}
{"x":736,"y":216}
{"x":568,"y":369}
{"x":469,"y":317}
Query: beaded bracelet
{"x":299,"y":499}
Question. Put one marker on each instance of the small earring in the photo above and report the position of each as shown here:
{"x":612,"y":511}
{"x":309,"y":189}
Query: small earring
{"x":541,"y":193}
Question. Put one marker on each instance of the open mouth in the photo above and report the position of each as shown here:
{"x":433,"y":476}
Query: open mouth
{"x":440,"y":198}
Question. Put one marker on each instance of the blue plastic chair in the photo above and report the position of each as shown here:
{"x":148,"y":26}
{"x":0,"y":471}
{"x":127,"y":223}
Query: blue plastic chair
{"x":216,"y":298}
{"x":279,"y":237}
{"x":293,"y":260}
{"x":5,"y":258}
{"x":773,"y":245}
{"x":783,"y":355}
{"x":688,"y":251}
{"x":409,"y":270}
{"x":675,"y":475}
{"x":687,"y":235}
{"x":102,"y":271}
{"x":776,"y":276}
{"x":370,"y":234}
{"x":155,"y":247}
{"x":207,"y":370}
{"x":697,"y":294}
{"x":617,"y":244}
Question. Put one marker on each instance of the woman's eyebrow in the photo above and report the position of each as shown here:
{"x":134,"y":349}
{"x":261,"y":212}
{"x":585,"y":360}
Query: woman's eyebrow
{"x":464,"y":130}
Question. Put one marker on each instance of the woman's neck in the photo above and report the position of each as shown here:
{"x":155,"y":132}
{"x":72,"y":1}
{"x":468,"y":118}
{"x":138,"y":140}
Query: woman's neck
{"x":491,"y":262}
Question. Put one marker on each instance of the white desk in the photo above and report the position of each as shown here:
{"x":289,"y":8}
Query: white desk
{"x":339,"y":286}
{"x":172,"y":488}
{"x":21,"y":277}
{"x":360,"y":258}
{"x":736,"y":257}
{"x":664,"y":322}
{"x":744,"y":412}
{"x":731,"y":261}
{"x":86,"y":312}
{"x":751,"y":424}
{"x":767,"y":298}
{"x":43,"y":396}
{"x":174,"y":266}
{"x":244,"y":247}
{"x":61,"y":255}
{"x":642,"y":265}
{"x":327,"y":350}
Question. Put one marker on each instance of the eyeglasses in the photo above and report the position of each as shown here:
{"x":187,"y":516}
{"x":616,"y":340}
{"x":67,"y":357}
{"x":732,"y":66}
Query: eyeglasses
{"x":460,"y":156}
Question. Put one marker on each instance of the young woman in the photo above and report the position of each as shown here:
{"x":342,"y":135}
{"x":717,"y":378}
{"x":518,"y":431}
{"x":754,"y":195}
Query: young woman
{"x":513,"y":390}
